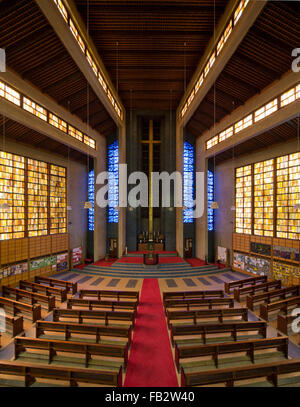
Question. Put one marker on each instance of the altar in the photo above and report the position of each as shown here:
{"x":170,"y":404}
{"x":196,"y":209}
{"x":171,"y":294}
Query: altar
{"x":146,"y":243}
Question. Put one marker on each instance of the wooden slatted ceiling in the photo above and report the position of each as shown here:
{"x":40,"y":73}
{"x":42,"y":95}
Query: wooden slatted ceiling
{"x":35,"y":52}
{"x":150,"y":54}
{"x":263,"y":56}
{"x":285,"y":132}
{"x":17,"y":132}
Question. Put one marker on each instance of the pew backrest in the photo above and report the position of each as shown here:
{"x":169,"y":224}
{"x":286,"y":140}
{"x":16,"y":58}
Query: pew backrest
{"x":15,"y":307}
{"x":59,"y":293}
{"x":283,"y":305}
{"x":52,"y":282}
{"x":254,"y":289}
{"x":110,"y":294}
{"x":245,"y":282}
{"x":34,"y":298}
{"x":282,"y":293}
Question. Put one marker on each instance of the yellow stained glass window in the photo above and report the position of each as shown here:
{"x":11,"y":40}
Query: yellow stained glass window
{"x":288,"y":195}
{"x":58,"y":123}
{"x":264,"y":198}
{"x":266,"y":110}
{"x":239,"y":11}
{"x":10,"y":94}
{"x":92,"y":62}
{"x":77,"y":36}
{"x":75,"y":133}
{"x":184,"y":109}
{"x":288,"y":97}
{"x":62,"y":9}
{"x":37,"y":188}
{"x":225,"y":134}
{"x":243,"y":199}
{"x":191,"y":97}
{"x":212,"y":142}
{"x":102,"y":82}
{"x":12,"y":196}
{"x":199,"y":83}
{"x":89,"y":142}
{"x":224,"y":37}
{"x":58,"y":202}
{"x":209,"y":64}
{"x":243,"y":124}
{"x":34,"y":108}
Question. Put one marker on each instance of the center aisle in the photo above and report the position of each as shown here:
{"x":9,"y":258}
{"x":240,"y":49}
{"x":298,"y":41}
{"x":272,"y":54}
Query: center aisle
{"x":151,"y":362}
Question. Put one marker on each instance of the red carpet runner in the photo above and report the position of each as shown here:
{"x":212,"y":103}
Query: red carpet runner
{"x":150,"y":363}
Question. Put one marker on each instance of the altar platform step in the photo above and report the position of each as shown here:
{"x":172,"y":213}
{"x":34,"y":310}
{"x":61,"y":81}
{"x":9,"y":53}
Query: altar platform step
{"x":151,"y":272}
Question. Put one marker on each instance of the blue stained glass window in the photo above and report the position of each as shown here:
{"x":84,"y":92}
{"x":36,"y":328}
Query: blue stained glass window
{"x":188,"y":181}
{"x":113,"y":182}
{"x":210,"y":199}
{"x":91,"y":199}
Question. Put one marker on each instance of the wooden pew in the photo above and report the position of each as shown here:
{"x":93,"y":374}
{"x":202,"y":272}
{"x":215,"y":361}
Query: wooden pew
{"x":15,"y":307}
{"x":94,"y":331}
{"x":13,"y":325}
{"x":244,"y":282}
{"x":52,"y":282}
{"x":181,"y":295}
{"x":283,"y":322}
{"x":215,"y":350}
{"x":86,"y":350}
{"x":80,"y":315}
{"x":201,"y":302}
{"x":219,"y":314}
{"x":59,"y":293}
{"x":92,"y":304}
{"x":205,"y":329}
{"x":274,"y":295}
{"x":134,"y":295}
{"x":34,"y":298}
{"x":279,"y":306}
{"x":31,"y":372}
{"x":269,"y":371}
{"x":255,"y":289}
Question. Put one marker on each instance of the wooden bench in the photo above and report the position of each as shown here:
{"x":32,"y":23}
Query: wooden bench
{"x":215,"y":350}
{"x":219,"y":314}
{"x":34,"y":298}
{"x":13,"y":325}
{"x":206,"y":329}
{"x":278,"y":306}
{"x":134,"y":295}
{"x":283,"y":322}
{"x":86,"y":350}
{"x":181,"y":295}
{"x":59,"y":293}
{"x":268,"y":371}
{"x":283,"y":293}
{"x":95,"y":331}
{"x":92,"y":304}
{"x":52,"y":282}
{"x":238,"y":293}
{"x":80,"y":315}
{"x":244,"y":282}
{"x":15,"y":307}
{"x":201,"y":302}
{"x":31,"y":372}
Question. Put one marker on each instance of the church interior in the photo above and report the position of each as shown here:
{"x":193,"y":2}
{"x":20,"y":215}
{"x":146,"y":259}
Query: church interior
{"x":139,"y":293}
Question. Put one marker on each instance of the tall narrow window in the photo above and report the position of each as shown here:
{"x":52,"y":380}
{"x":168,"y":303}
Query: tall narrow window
{"x":210,"y":199}
{"x":58,"y":202}
{"x":243,"y":200}
{"x":91,"y":199}
{"x":113,"y":182}
{"x":12,"y":197}
{"x":264,"y":198}
{"x":37,"y":198}
{"x":288,"y":195}
{"x":188,"y":181}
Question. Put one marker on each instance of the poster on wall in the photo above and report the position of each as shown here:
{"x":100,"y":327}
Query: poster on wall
{"x":260,"y":248}
{"x":290,"y":253}
{"x":222,"y":254}
{"x":43,"y":262}
{"x":77,"y":256}
{"x":258,"y":265}
{"x":62,"y":262}
{"x":239,"y":261}
{"x":13,"y":270}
